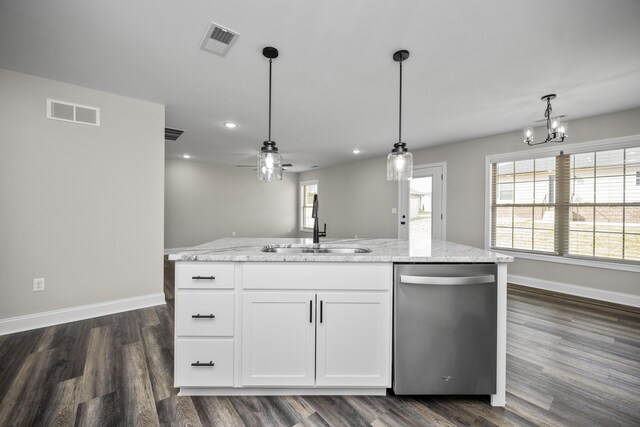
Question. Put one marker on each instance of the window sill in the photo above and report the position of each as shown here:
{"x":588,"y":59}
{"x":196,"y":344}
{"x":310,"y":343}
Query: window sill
{"x":571,"y":261}
{"x":305,"y":230}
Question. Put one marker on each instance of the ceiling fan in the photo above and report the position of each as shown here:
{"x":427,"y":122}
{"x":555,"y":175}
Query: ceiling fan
{"x":285,"y":166}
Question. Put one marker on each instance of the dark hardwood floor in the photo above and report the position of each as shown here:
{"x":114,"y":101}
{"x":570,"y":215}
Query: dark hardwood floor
{"x":571,"y":362}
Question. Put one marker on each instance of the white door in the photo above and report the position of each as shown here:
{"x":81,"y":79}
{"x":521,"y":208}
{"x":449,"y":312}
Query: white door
{"x":421,"y":213}
{"x":354,"y":339}
{"x":278,"y":338}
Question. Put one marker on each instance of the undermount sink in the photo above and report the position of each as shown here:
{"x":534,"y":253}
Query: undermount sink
{"x":313,"y":250}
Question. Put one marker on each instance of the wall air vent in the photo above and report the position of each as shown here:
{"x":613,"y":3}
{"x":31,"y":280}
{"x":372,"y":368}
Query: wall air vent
{"x":218,"y":39}
{"x":75,"y":113}
{"x":172,"y":134}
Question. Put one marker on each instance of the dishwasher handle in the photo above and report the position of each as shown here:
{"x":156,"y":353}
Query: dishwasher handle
{"x":447,"y":280}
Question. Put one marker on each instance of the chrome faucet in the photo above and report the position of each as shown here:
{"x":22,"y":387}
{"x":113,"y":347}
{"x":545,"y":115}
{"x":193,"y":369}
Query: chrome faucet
{"x":316,"y":228}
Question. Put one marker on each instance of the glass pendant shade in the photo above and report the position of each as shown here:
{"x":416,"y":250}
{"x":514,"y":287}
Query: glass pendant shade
{"x":269,"y":166}
{"x":399,"y":166}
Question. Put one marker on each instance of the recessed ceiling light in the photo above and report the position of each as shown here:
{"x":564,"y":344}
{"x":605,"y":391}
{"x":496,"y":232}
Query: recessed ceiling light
{"x":186,"y":156}
{"x":230,"y":125}
{"x":356,"y":151}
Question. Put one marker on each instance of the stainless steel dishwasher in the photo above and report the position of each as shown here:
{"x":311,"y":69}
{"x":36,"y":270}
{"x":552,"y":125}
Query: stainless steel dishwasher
{"x":445,"y":319}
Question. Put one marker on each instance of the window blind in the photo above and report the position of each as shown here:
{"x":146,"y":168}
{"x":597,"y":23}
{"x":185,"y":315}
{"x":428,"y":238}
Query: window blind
{"x":583,"y":204}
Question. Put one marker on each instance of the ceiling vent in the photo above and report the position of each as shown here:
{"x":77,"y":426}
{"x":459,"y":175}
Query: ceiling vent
{"x":172,"y":134}
{"x":75,"y":113}
{"x":218,"y":39}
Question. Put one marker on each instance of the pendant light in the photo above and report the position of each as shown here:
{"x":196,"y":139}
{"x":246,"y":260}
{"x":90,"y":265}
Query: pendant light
{"x":400,"y":160}
{"x":269,"y":160}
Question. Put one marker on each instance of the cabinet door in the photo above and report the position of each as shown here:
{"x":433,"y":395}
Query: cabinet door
{"x":354,"y":339}
{"x":278,"y":338}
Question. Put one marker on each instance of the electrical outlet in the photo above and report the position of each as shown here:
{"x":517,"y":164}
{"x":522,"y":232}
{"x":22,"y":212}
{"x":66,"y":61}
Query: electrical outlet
{"x":233,"y":234}
{"x":355,"y":237}
{"x":394,"y":210}
{"x":38,"y":284}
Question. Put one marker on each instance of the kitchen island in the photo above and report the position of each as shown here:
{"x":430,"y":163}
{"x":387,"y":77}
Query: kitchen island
{"x":302,"y":318}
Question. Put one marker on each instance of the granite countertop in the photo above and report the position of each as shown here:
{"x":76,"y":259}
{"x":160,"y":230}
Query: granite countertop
{"x":382,"y":250}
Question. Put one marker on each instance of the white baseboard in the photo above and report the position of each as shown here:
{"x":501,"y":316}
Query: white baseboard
{"x":581,"y":291}
{"x":72,"y":314}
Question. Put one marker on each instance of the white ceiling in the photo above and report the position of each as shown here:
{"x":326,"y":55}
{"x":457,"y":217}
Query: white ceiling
{"x":476,"y":68}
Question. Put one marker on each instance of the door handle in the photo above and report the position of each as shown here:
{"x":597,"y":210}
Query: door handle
{"x":320,"y":311}
{"x":310,"y":311}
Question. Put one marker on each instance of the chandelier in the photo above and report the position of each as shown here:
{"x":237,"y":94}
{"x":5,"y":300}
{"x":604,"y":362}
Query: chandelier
{"x":556,"y":130}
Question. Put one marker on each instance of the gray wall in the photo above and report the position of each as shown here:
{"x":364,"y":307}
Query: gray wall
{"x":465,"y":197}
{"x":81,"y":206}
{"x":204,"y":202}
{"x":356,"y":199}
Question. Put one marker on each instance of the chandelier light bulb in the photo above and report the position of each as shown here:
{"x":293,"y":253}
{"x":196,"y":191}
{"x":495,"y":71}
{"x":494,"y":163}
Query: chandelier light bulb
{"x":399,"y":162}
{"x":563,"y":128}
{"x":528,"y":134}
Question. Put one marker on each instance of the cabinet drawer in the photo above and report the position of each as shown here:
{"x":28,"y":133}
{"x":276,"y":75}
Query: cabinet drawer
{"x":205,"y":275}
{"x":317,"y":276}
{"x":203,"y":305}
{"x":217,"y":352}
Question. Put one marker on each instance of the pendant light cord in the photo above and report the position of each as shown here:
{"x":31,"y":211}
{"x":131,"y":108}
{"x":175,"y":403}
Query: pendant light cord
{"x":400,"y":108}
{"x":270,"y":60}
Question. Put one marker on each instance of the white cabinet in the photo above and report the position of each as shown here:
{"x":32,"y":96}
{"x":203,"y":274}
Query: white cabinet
{"x":282,"y":328}
{"x":278,"y":338}
{"x":331,"y":339}
{"x":353,"y":339}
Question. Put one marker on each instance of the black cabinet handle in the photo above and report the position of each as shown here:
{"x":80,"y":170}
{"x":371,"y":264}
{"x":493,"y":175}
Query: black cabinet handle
{"x":204,"y":316}
{"x":203,"y":364}
{"x":203,"y":278}
{"x":310,"y":311}
{"x":320,"y":311}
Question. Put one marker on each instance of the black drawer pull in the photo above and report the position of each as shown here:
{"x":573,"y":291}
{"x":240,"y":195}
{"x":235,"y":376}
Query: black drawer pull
{"x":203,"y":278}
{"x":204,"y":316}
{"x":203,"y":364}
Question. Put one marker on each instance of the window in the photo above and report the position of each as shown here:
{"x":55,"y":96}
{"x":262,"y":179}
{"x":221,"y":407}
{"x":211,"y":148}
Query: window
{"x":580,"y":203}
{"x":307,"y":190}
{"x":525,"y":219}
